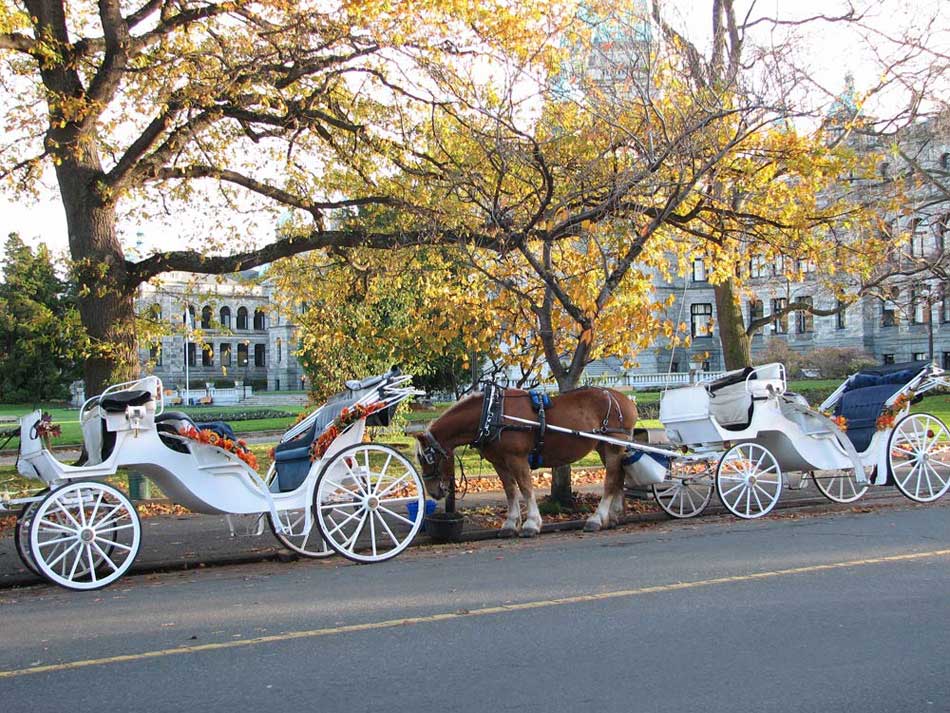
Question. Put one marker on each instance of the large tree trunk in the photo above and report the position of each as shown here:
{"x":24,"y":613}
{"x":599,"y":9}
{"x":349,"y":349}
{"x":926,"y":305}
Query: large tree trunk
{"x":106,"y":297}
{"x":561,"y":490}
{"x":736,"y":345}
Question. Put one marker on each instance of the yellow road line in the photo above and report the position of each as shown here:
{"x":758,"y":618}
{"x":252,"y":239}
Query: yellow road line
{"x":448,"y":616}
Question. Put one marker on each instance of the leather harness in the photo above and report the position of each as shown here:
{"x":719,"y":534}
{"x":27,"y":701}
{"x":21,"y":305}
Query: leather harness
{"x":491,"y":423}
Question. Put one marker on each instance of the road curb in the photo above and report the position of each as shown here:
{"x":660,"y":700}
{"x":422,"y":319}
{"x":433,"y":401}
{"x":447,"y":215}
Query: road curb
{"x":278,"y":554}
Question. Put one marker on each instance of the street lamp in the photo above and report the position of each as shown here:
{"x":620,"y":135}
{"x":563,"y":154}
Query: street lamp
{"x":189,"y":325}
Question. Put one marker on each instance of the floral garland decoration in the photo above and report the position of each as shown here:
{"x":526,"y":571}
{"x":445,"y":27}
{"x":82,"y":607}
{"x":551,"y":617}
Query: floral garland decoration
{"x":889,"y":414}
{"x":209,"y":437}
{"x":840,"y":421}
{"x":347,"y":418}
{"x":45,"y":428}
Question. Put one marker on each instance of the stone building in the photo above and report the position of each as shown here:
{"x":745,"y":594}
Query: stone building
{"x":235,"y":333}
{"x":898,"y":323}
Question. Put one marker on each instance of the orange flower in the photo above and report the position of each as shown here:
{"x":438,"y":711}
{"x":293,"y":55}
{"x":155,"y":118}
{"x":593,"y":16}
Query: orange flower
{"x":841,"y":422}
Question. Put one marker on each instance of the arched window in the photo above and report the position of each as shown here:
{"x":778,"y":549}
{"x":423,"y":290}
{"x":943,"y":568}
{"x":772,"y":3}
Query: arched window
{"x":155,"y":312}
{"x":225,"y":350}
{"x":188,"y":318}
{"x":206,"y":317}
{"x":242,"y":354}
{"x":207,"y":355}
{"x":225,"y":317}
{"x":259,"y":320}
{"x":280,"y":353}
{"x":242,"y":318}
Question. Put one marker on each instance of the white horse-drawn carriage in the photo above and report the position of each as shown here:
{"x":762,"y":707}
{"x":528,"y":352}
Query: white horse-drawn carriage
{"x":326,"y":491}
{"x":746,"y":436}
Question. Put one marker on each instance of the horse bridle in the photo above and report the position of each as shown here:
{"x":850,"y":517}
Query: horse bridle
{"x":432,"y":452}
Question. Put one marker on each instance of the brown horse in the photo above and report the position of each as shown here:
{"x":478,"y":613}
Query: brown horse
{"x":591,"y":410}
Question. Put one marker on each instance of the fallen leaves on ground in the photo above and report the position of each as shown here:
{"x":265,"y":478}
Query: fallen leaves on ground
{"x":541,"y":481}
{"x":492,"y":517}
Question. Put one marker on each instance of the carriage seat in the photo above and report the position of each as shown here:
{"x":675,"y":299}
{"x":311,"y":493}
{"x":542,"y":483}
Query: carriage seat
{"x":292,"y":458}
{"x":118,"y":401}
{"x":865,"y":395}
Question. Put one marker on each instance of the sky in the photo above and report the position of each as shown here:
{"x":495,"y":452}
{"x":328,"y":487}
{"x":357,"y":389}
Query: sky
{"x":827,"y":50}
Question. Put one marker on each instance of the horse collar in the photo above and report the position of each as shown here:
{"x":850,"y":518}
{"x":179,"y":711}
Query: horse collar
{"x":490,"y":425}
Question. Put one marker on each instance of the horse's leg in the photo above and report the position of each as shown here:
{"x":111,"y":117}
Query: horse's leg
{"x":513,"y":522}
{"x":532,"y":522}
{"x":610,"y":509}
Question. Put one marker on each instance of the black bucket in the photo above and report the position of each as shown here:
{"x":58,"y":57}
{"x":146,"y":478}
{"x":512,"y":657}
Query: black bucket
{"x":444,"y":526}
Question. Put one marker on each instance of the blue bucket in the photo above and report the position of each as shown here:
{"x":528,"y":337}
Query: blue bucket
{"x":413,"y":509}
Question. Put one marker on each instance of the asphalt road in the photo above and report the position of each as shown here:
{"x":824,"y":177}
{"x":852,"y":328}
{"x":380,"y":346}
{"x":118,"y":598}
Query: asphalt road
{"x":833,"y":613}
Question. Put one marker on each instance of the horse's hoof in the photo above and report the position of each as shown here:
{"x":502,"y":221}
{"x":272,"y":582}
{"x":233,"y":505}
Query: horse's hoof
{"x":592,"y":526}
{"x":507,"y":532}
{"x":529,"y":532}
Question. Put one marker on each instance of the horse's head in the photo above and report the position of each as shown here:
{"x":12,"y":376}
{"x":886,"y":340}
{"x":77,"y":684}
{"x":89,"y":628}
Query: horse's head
{"x":436,"y":465}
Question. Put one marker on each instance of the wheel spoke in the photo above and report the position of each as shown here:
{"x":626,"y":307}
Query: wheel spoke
{"x":115,"y":529}
{"x":372,"y":532}
{"x":398,"y":516}
{"x":733,"y":489}
{"x":397,"y":501}
{"x":382,"y":472}
{"x":72,"y":572}
{"x":51,"y":526}
{"x":47,"y":543}
{"x":92,"y":565}
{"x":349,"y":518}
{"x":106,"y":518}
{"x":337,"y":506}
{"x":351,"y":543}
{"x":69,"y":515}
{"x":105,"y":557}
{"x":113,"y":543}
{"x":66,"y":551}
{"x":382,"y":521}
{"x":393,"y":486}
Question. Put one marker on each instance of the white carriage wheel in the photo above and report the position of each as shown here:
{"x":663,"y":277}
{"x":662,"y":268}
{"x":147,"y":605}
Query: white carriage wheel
{"x":309,"y":544}
{"x":918,"y":453}
{"x":84,"y":535}
{"x":684,"y":495}
{"x":21,"y":533}
{"x":305,"y":544}
{"x":839,"y":486}
{"x":361,"y":502}
{"x":748,"y":480}
{"x":22,"y":539}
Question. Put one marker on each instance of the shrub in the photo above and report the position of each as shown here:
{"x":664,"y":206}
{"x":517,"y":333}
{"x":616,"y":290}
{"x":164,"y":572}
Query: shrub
{"x":224,"y":383}
{"x":838,"y":362}
{"x":778,"y":350}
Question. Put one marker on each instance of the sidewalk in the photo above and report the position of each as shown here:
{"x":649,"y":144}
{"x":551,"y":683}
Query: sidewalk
{"x":171,"y":542}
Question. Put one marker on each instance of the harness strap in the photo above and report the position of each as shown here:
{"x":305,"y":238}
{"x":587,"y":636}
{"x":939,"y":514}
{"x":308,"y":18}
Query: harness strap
{"x":612,"y":404}
{"x":493,"y":412}
{"x":535,"y":459}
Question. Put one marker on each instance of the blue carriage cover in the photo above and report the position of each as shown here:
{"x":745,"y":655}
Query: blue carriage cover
{"x":865,"y":395}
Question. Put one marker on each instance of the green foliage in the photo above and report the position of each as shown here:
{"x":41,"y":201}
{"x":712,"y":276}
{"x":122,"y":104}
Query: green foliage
{"x":41,"y":339}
